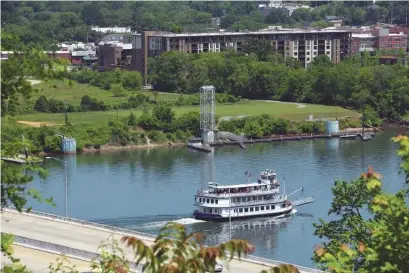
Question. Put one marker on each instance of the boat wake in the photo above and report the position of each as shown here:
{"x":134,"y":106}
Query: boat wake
{"x":188,"y":221}
{"x":159,"y":224}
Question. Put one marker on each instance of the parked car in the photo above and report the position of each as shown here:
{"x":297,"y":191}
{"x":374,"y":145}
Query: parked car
{"x":217,"y":268}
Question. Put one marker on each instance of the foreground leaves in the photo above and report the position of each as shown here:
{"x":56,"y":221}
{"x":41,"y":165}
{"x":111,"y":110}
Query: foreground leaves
{"x":375,"y":244}
{"x":176,"y":251}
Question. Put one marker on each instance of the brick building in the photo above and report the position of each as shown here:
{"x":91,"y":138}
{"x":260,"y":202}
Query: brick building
{"x":379,"y":38}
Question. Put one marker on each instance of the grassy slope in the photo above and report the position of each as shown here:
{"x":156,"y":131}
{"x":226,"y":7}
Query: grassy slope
{"x":287,"y":111}
{"x":59,"y":89}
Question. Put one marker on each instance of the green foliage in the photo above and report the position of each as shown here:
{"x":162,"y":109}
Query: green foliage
{"x":113,"y":258}
{"x":51,"y":105}
{"x":63,"y":265}
{"x":355,"y":81}
{"x":118,"y":91}
{"x":92,"y":104}
{"x":163,"y":114}
{"x":132,"y":120}
{"x":403,"y":152}
{"x":131,"y":80}
{"x":362,"y":245}
{"x":174,"y":250}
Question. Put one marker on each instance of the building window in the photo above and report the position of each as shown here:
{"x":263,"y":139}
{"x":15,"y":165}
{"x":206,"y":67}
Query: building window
{"x":328,"y":47}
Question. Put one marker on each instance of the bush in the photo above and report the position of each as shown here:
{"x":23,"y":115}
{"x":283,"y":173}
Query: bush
{"x":92,"y":104}
{"x":131,"y":80}
{"x":132,"y":120}
{"x":118,"y":91}
{"x":157,"y":136}
{"x":45,"y":105}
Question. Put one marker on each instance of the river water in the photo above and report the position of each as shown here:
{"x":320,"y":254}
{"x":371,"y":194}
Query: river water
{"x":143,"y":189}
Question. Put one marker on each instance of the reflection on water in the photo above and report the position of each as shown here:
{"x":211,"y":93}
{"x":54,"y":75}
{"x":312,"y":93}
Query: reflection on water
{"x":144,"y":189}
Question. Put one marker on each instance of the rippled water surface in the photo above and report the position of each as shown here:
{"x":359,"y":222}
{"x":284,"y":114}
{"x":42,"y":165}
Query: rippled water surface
{"x":143,"y":189}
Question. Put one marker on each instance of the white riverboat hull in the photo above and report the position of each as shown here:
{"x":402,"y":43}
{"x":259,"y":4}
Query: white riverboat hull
{"x":223,"y":217}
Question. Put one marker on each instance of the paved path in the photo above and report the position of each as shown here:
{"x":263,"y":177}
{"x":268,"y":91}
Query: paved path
{"x":87,"y":238}
{"x":299,"y":105}
{"x":38,"y":261}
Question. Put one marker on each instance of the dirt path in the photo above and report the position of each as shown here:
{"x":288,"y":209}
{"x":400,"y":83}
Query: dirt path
{"x":299,"y":105}
{"x":35,"y":123}
{"x":34,"y":82}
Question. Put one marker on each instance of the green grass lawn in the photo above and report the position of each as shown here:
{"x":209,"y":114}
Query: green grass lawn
{"x":282,"y":110}
{"x":61,"y":90}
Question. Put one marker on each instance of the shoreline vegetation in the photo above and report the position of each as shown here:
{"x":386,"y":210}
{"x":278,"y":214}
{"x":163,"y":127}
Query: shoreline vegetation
{"x":115,"y":147}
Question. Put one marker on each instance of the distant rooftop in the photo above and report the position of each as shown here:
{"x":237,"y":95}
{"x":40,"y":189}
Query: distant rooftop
{"x":112,"y":29}
{"x":266,"y":31}
{"x":363,"y":35}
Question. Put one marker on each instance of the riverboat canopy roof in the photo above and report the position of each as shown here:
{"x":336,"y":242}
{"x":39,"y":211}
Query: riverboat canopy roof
{"x":216,"y":186}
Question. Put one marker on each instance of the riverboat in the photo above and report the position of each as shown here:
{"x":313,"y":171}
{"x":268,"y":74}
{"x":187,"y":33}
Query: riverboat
{"x":261,"y":198}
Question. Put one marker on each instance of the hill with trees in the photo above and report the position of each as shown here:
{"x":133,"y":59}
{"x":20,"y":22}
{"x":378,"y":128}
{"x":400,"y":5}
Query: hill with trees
{"x":42,"y":23}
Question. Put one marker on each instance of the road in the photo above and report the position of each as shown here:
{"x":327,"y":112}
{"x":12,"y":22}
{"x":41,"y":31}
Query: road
{"x":38,"y":261}
{"x":86,"y":238}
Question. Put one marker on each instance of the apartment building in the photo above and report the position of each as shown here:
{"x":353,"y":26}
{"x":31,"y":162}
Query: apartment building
{"x":301,"y":44}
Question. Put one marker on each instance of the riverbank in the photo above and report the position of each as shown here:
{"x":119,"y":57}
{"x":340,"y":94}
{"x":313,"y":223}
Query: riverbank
{"x":284,"y":137}
{"x":113,"y":148}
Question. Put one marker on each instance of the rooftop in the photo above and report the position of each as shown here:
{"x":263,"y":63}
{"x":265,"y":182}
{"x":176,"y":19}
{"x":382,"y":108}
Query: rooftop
{"x":363,"y":35}
{"x":274,"y":31}
{"x":216,"y":186}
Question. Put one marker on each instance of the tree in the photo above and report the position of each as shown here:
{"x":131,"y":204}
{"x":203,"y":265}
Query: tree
{"x":132,"y":120}
{"x":119,"y":91}
{"x":377,"y":244}
{"x":261,"y":48}
{"x":163,"y":114}
{"x":41,"y":104}
{"x":174,"y":250}
{"x":131,"y":80}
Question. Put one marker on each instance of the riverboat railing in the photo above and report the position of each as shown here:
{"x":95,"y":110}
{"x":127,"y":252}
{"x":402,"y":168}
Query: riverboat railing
{"x":211,"y":193}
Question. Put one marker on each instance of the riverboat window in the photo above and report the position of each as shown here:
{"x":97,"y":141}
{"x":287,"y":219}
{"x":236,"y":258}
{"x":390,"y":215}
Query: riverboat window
{"x":283,"y":205}
{"x":211,"y":211}
{"x":262,"y":207}
{"x":246,"y":210}
{"x":212,"y":201}
{"x":259,"y":198}
{"x":200,"y":200}
{"x":240,"y":210}
{"x":216,"y":201}
{"x":257,"y":208}
{"x":207,"y":200}
{"x":251,"y":209}
{"x":273,"y":207}
{"x":254,"y":198}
